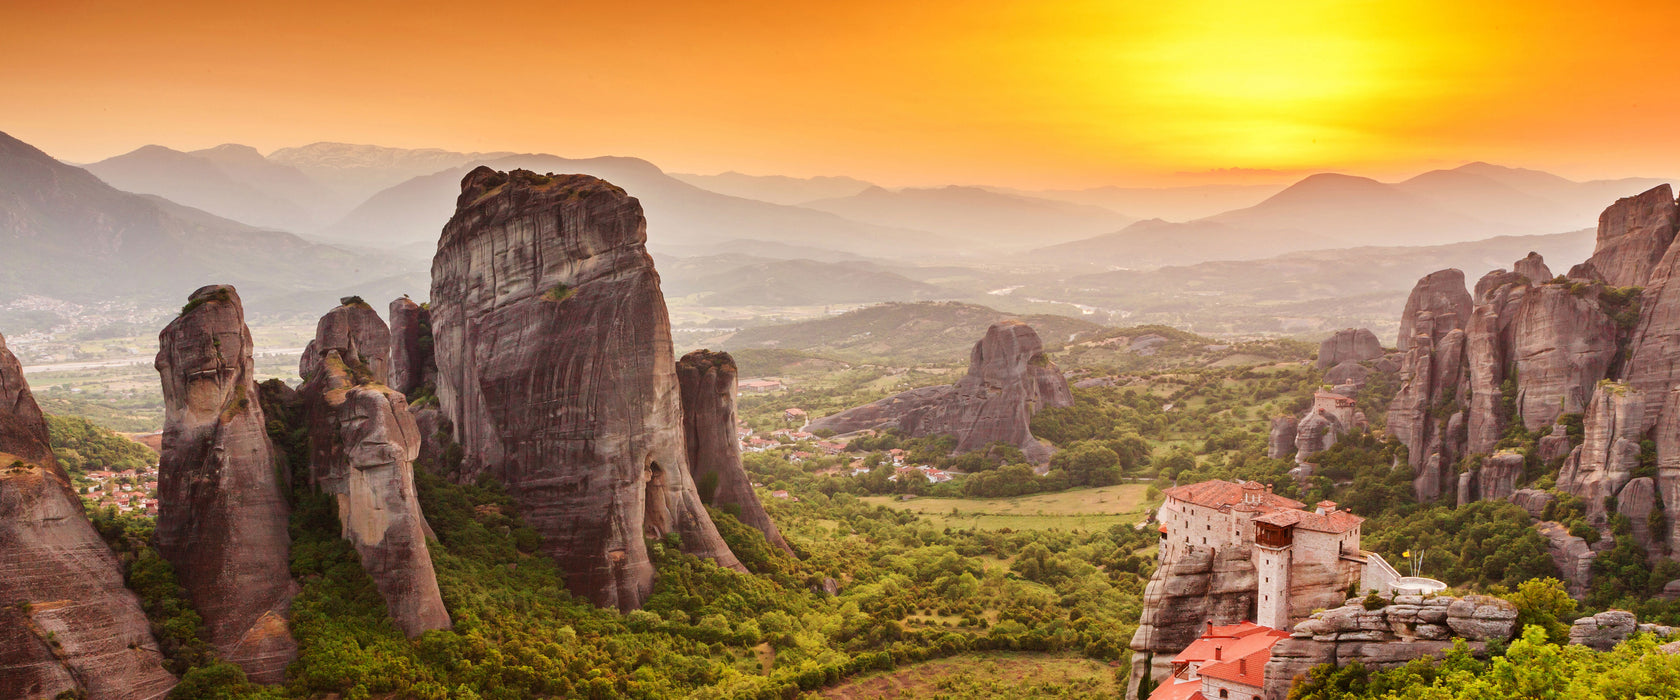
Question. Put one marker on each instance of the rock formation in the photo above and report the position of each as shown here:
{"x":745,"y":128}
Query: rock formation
{"x":1314,"y":434}
{"x":222,"y":513}
{"x":363,"y":443}
{"x":556,"y":370}
{"x":1442,"y":297}
{"x":1009,"y":378}
{"x":1348,"y":345}
{"x":714,"y":451}
{"x":356,"y":332}
{"x":1633,"y":234}
{"x":1604,"y":630}
{"x":1181,"y":599}
{"x":1636,"y":500}
{"x":1570,"y":554}
{"x":1495,"y":480}
{"x":1282,"y":441}
{"x":1605,"y":461}
{"x":1562,"y":345}
{"x":67,"y":624}
{"x":1534,"y":268}
{"x":1408,"y":628}
{"x":1348,"y":373}
{"x":412,"y":365}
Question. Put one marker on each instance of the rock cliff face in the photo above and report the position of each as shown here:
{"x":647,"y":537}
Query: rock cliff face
{"x":556,"y":370}
{"x":1604,"y":462}
{"x":1179,"y":601}
{"x":363,"y":443}
{"x":411,"y":338}
{"x":356,"y":332}
{"x":1348,"y":344}
{"x":1388,"y":637}
{"x":222,"y":515}
{"x":1282,"y":441}
{"x":1314,"y":434}
{"x":714,"y":451}
{"x":1633,"y":234}
{"x":1563,"y":344}
{"x":67,"y":624}
{"x":1009,"y":378}
{"x":1442,"y":296}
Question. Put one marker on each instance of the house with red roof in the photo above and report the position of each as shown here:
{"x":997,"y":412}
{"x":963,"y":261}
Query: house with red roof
{"x":1226,"y":663}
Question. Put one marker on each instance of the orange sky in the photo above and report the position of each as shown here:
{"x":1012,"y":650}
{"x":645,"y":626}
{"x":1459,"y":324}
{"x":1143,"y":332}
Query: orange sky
{"x":1037,"y":94}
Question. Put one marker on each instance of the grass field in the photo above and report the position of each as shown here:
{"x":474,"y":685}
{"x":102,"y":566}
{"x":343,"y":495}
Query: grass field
{"x":1083,"y":509}
{"x":995,"y":675}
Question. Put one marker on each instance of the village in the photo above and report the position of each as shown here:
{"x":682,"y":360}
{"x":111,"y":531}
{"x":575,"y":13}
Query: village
{"x":130,"y":491}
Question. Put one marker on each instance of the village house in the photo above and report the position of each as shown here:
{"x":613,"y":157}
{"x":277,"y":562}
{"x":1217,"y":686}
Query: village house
{"x":1303,"y":559}
{"x":1226,"y":663}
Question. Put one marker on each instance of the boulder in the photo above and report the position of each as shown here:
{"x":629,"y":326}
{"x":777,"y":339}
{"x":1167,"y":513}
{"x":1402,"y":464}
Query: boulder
{"x":1282,"y":440}
{"x":1348,"y":345}
{"x":356,"y":331}
{"x":1409,"y":628}
{"x":1498,"y":477}
{"x":67,"y":624}
{"x":707,"y":380}
{"x":1555,"y":445}
{"x":1534,"y":268}
{"x":1348,"y":372}
{"x":1633,"y":235}
{"x":1534,"y":501}
{"x":1636,"y":500}
{"x":412,"y":365}
{"x":1314,"y":434}
{"x":1009,"y":378}
{"x":1604,"y":630}
{"x":363,"y":443}
{"x":222,"y":511}
{"x":1442,"y":296}
{"x":1482,"y":618}
{"x":558,"y":375}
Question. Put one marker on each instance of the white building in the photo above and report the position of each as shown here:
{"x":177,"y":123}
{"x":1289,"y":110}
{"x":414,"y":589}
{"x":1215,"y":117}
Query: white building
{"x":1303,"y":559}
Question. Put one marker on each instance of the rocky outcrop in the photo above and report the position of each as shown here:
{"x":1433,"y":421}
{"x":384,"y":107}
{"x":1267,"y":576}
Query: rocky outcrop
{"x":1606,"y":459}
{"x":1498,"y":476}
{"x":363,"y":443}
{"x":1604,"y":630}
{"x":355,"y":330}
{"x":1636,"y":500}
{"x":1313,"y":435}
{"x":1534,"y":268}
{"x":222,"y":513}
{"x":67,"y":624}
{"x":1562,"y":345}
{"x":1432,"y":380}
{"x":412,"y":365}
{"x":1181,"y":599}
{"x":1571,"y":554}
{"x":1633,"y":235}
{"x":1282,"y":440}
{"x":1348,"y":345}
{"x":1408,"y":628}
{"x":714,"y":451}
{"x":1009,"y":378}
{"x":1348,"y":373}
{"x":1532,"y":501}
{"x":1437,"y":304}
{"x":556,"y":370}
{"x":1555,"y":445}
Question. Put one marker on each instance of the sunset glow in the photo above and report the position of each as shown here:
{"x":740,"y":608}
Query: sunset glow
{"x":1064,"y":93}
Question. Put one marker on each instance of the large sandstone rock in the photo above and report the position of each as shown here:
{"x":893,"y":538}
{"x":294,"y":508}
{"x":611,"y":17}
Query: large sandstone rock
{"x":1562,"y":345}
{"x":1653,"y":348}
{"x":556,"y":370}
{"x":1009,"y":378}
{"x":1532,"y":501}
{"x":1442,"y":296}
{"x":1534,"y":268}
{"x":1282,"y":440}
{"x":1488,"y":341}
{"x":1348,"y":373}
{"x":222,"y":513}
{"x":67,"y":624}
{"x":1555,"y":445}
{"x":1571,"y":554}
{"x":356,"y":331}
{"x":1181,"y":598}
{"x":1607,"y":457}
{"x":363,"y":443}
{"x":1498,"y":477}
{"x":411,"y":346}
{"x":1405,"y":629}
{"x":1636,"y":500}
{"x":1633,"y":234}
{"x":1313,"y":435}
{"x":714,"y":451}
{"x":1348,"y":345}
{"x":1604,"y":630}
{"x":1431,"y":378}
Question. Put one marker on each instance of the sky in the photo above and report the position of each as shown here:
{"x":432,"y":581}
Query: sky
{"x":1038,"y":94}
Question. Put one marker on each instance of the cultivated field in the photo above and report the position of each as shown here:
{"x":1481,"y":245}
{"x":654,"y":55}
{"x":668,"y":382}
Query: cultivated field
{"x":1082,"y":509}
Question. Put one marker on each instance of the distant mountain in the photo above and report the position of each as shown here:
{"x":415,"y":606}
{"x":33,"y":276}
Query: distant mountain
{"x":1169,"y":203}
{"x":904,"y":333}
{"x":733,"y":281}
{"x":975,"y":216}
{"x":679,"y":215}
{"x":230,"y":181}
{"x":1333,"y":211}
{"x":358,"y":171}
{"x":68,"y":235}
{"x":777,"y":189}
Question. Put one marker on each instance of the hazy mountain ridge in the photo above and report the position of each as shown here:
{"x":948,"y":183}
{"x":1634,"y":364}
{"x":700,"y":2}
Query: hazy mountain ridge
{"x":976,"y":216}
{"x":777,"y":189}
{"x":224,"y":182}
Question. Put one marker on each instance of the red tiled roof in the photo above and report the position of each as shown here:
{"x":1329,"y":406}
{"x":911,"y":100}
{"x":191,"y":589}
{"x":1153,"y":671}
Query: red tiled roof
{"x":1218,"y":493}
{"x":1175,"y":689}
{"x":1226,"y":638}
{"x":1249,"y":670}
{"x":1333,"y":522}
{"x":1340,"y":399}
{"x":1242,"y":655}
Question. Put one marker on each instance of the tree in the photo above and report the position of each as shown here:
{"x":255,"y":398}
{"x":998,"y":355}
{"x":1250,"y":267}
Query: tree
{"x":1544,"y":602}
{"x":1088,"y":464}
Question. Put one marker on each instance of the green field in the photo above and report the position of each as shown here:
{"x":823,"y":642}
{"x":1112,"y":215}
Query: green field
{"x":996,"y":675}
{"x":1082,"y":509}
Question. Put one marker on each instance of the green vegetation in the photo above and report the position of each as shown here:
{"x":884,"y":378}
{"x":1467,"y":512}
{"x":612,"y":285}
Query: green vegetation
{"x":999,"y":675}
{"x":82,"y":446}
{"x":559,"y":293}
{"x":902,"y":333}
{"x":221,"y":295}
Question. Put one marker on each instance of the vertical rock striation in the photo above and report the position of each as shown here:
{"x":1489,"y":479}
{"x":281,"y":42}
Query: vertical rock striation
{"x":222,"y":515}
{"x":363,"y":443}
{"x":67,"y":624}
{"x":556,"y":370}
{"x":714,"y":451}
{"x":1442,"y":296}
{"x":1633,"y":235}
{"x":412,"y":365}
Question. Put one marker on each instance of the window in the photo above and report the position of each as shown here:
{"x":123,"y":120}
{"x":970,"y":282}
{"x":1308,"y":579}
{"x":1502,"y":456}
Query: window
{"x":1224,"y":693}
